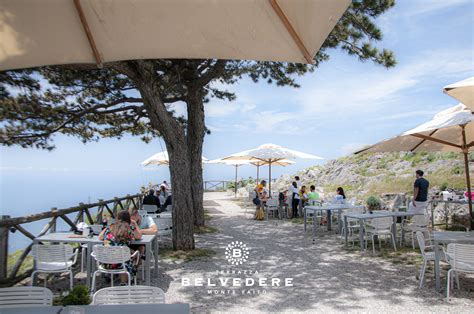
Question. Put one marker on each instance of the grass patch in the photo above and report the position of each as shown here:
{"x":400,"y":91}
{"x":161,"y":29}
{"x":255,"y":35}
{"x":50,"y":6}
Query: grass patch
{"x":298,"y":221}
{"x":27,"y":263}
{"x":205,"y":229}
{"x":207,"y":215}
{"x":404,"y":255}
{"x":186,"y":256}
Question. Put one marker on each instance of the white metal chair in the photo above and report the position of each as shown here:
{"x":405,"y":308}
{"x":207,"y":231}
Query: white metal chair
{"x":353,"y":226}
{"x":461,"y":259}
{"x":129,"y":295}
{"x":417,"y":223}
{"x":53,"y":258}
{"x":150,"y":208}
{"x":381,"y":226}
{"x":426,"y":252}
{"x":164,"y":226}
{"x":105,"y":254}
{"x":271,"y":207}
{"x":15,"y":297}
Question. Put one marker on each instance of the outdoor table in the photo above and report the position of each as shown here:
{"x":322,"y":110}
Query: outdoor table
{"x":329,"y":208}
{"x":444,"y":237}
{"x":32,"y":310}
{"x":70,"y":237}
{"x":377,"y":214}
{"x":101,"y":309}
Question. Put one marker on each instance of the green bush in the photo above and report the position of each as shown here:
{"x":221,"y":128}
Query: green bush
{"x":444,"y":186}
{"x":78,"y":296}
{"x":373,"y":203}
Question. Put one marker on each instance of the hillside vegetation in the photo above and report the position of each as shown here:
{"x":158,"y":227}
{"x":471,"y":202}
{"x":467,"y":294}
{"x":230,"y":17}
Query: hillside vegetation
{"x":379,"y":173}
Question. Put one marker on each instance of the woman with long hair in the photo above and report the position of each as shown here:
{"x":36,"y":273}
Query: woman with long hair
{"x":340,"y":195}
{"x":121,"y":233}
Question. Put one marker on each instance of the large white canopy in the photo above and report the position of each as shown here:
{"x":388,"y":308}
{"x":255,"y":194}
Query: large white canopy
{"x":162,"y":158}
{"x":444,"y":130}
{"x":258,"y":163}
{"x":270,"y":153}
{"x":462,"y":91}
{"x":37,"y":33}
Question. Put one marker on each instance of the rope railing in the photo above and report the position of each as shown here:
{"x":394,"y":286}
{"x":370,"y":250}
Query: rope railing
{"x":92,"y":213}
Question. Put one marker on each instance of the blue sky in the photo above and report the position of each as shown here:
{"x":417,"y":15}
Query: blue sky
{"x":343,"y":105}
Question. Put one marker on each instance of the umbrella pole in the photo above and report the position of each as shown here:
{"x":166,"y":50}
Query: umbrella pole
{"x":468,"y":181}
{"x":270,"y":179}
{"x":258,"y":168}
{"x":468,"y":177}
{"x":235,"y":187}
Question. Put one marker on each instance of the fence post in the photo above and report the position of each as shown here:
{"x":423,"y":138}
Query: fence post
{"x":3,"y":249}
{"x":53,"y":225}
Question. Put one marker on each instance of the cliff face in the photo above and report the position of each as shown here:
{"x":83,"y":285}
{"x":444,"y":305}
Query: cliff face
{"x":382,"y":173}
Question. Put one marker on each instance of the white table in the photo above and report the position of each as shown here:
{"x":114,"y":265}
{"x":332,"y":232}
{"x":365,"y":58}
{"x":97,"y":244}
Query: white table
{"x":329,"y":208}
{"x":70,"y":237}
{"x":101,"y":309}
{"x":445,"y":237}
{"x":376,"y":214}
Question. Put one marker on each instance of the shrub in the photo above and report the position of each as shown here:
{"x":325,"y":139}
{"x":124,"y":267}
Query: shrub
{"x":78,"y":296}
{"x":443,"y":186}
{"x":373,"y":203}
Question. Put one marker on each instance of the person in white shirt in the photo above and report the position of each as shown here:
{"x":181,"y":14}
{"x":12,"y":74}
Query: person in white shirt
{"x":295,"y":199}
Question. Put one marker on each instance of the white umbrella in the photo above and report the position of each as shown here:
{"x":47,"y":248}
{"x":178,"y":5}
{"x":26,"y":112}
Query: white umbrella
{"x":37,"y":33}
{"x":270,"y":154}
{"x":462,"y":91}
{"x":450,"y":130}
{"x":257,"y":163}
{"x":162,"y":158}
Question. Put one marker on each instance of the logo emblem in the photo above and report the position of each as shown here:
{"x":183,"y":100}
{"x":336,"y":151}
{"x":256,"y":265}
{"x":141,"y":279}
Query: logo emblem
{"x":236,"y":253}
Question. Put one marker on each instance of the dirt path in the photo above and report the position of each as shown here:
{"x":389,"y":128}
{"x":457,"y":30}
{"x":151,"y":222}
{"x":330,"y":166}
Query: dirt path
{"x":325,"y":276}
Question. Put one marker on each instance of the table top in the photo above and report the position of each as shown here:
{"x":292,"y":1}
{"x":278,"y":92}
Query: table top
{"x":102,"y":309}
{"x":70,"y":237}
{"x":333,"y":207}
{"x":453,"y":236}
{"x":379,"y":214}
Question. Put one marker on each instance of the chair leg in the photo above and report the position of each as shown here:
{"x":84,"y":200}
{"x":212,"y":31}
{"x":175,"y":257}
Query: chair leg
{"x":393,"y":241}
{"x":380,"y":244}
{"x":71,"y":279}
{"x":129,"y":279}
{"x":373,"y":244}
{"x":448,"y":285}
{"x":32,"y":278}
{"x":422,"y":273}
{"x":112,"y":279}
{"x":457,"y":280}
{"x":93,"y":281}
{"x":82,"y":260}
{"x":413,"y":240}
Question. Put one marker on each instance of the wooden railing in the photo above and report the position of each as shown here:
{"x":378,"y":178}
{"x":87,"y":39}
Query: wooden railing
{"x":216,"y":185}
{"x":91,"y":213}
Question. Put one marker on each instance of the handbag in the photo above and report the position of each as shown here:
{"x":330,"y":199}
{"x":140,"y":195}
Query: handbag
{"x":256,"y":199}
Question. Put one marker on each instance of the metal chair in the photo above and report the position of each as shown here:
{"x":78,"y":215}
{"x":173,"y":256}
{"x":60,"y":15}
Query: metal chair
{"x":150,"y":208}
{"x":53,"y":258}
{"x":417,"y":223}
{"x":381,"y":226}
{"x":119,"y":255}
{"x":164,"y":226}
{"x":271,"y":207}
{"x":129,"y":295}
{"x":461,"y":259}
{"x":426,"y":252}
{"x":15,"y":297}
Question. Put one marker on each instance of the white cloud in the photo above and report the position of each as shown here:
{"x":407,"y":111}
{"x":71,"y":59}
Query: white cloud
{"x":427,"y":7}
{"x":350,"y":148}
{"x":404,"y":115}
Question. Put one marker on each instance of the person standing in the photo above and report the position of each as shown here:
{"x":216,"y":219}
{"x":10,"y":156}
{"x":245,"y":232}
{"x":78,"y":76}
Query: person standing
{"x":420,"y":194}
{"x":295,"y":199}
{"x":262,"y":196}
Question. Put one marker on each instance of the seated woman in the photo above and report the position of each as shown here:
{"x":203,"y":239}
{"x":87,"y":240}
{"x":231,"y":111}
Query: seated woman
{"x":121,"y":233}
{"x":303,"y":196}
{"x":340,"y":197}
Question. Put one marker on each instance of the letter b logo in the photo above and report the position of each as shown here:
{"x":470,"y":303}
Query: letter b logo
{"x":236,"y":253}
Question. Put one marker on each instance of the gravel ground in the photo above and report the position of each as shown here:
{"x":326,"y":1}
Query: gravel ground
{"x":325,"y":276}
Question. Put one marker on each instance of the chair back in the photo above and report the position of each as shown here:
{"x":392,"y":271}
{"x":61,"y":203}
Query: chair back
{"x":149,"y":208}
{"x":59,"y":254}
{"x":382,"y":222}
{"x":164,"y":225}
{"x":25,"y":297}
{"x":272,"y":202}
{"x":421,"y":241}
{"x":96,"y":229}
{"x":129,"y":295}
{"x":142,"y":212}
{"x":106,"y":254}
{"x":420,"y":220}
{"x":461,"y":257}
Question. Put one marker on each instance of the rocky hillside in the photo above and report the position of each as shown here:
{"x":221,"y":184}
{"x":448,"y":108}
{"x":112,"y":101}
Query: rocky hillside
{"x":381,"y":173}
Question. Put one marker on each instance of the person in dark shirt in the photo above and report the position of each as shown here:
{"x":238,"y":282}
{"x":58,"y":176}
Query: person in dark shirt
{"x":151,"y":199}
{"x":420,"y":194}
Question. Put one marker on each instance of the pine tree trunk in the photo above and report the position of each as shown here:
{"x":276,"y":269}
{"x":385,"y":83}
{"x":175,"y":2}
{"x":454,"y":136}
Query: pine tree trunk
{"x":177,"y":146}
{"x":195,"y":138}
